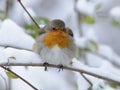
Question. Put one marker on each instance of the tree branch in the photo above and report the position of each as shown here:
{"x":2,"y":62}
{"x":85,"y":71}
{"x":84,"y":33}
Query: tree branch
{"x":65,"y":67}
{"x":19,"y":77}
{"x":104,"y":57}
{"x":87,"y":79}
{"x":28,"y":14}
{"x":6,"y":8}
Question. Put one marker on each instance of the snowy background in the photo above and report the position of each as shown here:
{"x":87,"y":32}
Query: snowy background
{"x":100,"y":26}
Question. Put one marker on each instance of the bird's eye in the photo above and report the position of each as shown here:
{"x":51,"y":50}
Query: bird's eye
{"x":53,"y":28}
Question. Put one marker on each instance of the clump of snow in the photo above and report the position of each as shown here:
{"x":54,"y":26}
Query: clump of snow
{"x":104,"y":70}
{"x":85,"y":8}
{"x":106,"y":51}
{"x":81,"y":42}
{"x":115,"y":12}
{"x":51,"y":80}
{"x":116,"y":59}
{"x":109,"y":67}
{"x":110,"y":55}
{"x":103,"y":52}
{"x":95,"y":7}
{"x":13,"y":35}
{"x":90,"y":34}
{"x":20,"y":55}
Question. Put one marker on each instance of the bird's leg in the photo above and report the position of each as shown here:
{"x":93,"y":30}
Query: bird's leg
{"x":45,"y":64}
{"x":60,"y":66}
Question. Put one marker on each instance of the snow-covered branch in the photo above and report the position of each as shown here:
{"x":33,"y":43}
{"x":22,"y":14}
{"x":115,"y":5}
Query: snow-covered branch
{"x":19,"y":77}
{"x":83,"y":69}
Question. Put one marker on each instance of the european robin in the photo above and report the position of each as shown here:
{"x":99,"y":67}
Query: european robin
{"x":55,"y":45}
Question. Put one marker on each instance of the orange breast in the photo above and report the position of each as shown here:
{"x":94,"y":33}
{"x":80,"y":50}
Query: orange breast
{"x":59,"y":38}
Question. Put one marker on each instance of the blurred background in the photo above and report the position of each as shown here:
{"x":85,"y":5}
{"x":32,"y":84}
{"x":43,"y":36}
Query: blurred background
{"x":102,"y":16}
{"x":95,"y":20}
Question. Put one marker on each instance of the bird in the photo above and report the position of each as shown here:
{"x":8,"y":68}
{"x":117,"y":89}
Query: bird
{"x":55,"y":44}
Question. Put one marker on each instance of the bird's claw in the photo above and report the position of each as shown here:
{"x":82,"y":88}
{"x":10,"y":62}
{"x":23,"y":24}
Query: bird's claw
{"x":45,"y":64}
{"x":60,"y":67}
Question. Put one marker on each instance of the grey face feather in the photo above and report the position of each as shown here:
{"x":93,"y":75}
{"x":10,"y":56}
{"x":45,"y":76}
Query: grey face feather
{"x":56,"y":23}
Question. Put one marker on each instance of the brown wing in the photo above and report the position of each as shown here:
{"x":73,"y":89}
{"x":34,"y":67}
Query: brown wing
{"x":70,"y":31}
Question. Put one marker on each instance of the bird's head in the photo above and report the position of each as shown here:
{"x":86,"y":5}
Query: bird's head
{"x":55,"y":25}
{"x":56,"y":34}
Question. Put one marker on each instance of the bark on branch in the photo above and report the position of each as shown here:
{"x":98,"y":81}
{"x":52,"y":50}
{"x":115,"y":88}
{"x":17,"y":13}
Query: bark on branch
{"x":65,"y":67}
{"x":19,"y":77}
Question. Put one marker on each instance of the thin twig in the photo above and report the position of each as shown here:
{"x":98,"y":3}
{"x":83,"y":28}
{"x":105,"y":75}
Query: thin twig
{"x":79,"y":20}
{"x":28,"y":14}
{"x":65,"y":67}
{"x":6,"y":8}
{"x":19,"y":77}
{"x":87,"y":79}
{"x":9,"y":80}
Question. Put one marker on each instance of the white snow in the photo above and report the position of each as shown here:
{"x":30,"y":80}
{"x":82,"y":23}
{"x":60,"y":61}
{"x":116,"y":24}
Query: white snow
{"x":103,"y":50}
{"x":85,"y":8}
{"x":103,"y":70}
{"x":107,"y":52}
{"x":82,"y":83}
{"x":37,"y":76}
{"x":115,"y":12}
{"x":81,"y":42}
{"x":22,"y":56}
{"x":96,"y":82}
{"x":89,"y":34}
{"x":51,"y":80}
{"x":13,"y":35}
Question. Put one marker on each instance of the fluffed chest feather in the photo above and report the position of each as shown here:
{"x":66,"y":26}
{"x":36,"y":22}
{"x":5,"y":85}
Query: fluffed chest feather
{"x":56,"y":55}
